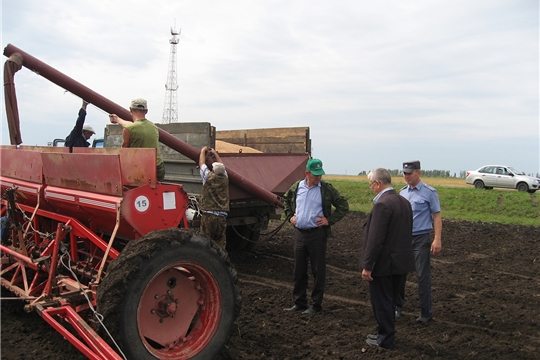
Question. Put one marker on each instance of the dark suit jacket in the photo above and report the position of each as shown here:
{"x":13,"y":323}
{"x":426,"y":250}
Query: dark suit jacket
{"x":387,"y":237}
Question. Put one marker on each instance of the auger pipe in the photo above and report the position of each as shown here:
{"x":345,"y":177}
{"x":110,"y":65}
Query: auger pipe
{"x":73,"y":86}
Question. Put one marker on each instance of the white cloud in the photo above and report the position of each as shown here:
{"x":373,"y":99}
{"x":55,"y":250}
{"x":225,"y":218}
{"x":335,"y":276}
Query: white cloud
{"x":417,"y":78}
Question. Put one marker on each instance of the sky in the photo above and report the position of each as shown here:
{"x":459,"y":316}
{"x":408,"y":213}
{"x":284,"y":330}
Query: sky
{"x":452,"y":83}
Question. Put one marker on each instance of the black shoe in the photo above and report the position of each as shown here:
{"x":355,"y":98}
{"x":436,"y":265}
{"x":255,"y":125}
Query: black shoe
{"x":423,"y":320}
{"x":398,"y":313}
{"x":372,"y":337}
{"x":310,"y":311}
{"x":296,"y":308}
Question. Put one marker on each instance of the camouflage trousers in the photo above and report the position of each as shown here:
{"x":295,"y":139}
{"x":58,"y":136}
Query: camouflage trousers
{"x":215,"y":227}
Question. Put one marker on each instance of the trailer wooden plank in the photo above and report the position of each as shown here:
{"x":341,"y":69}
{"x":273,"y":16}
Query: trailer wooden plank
{"x":270,"y":140}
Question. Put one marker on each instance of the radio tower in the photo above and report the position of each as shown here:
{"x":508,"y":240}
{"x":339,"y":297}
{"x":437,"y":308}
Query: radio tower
{"x":170,"y":110}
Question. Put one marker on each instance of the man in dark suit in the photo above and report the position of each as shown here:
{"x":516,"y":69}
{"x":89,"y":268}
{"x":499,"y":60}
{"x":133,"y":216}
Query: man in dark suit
{"x":387,"y":254}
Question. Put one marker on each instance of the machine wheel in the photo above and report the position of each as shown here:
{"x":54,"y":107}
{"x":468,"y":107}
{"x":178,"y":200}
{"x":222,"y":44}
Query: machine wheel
{"x":241,"y":237}
{"x":478,"y":184}
{"x":254,"y":237}
{"x":522,"y":187}
{"x":170,"y":295}
{"x":236,"y":237}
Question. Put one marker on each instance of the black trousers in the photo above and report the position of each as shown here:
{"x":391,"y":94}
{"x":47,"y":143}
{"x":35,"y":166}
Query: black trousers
{"x":383,"y":291}
{"x":422,"y":255}
{"x":309,"y":247}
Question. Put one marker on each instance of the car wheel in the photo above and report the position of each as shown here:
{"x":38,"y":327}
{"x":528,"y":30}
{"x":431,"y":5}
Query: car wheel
{"x":478,"y":184}
{"x":522,"y":187}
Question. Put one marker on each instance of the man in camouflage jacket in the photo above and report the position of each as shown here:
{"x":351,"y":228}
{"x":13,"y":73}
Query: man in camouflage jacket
{"x":214,"y":197}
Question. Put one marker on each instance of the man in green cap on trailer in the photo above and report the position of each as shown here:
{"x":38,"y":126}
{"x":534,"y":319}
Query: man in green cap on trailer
{"x":308,"y":206}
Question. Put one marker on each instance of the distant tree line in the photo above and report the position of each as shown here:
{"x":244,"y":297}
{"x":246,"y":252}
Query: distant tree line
{"x":434,"y":173}
{"x":425,"y":173}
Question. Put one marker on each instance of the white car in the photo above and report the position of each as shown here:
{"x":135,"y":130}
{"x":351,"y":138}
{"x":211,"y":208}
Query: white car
{"x":490,"y":176}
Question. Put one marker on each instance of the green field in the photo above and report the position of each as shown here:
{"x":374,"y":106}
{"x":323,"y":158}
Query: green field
{"x":458,"y":200}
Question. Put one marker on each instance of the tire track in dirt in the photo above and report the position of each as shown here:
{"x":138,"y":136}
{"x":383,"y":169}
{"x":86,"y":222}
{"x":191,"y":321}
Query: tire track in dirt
{"x":335,"y":269}
{"x":268,"y":282}
{"x":328,"y":267}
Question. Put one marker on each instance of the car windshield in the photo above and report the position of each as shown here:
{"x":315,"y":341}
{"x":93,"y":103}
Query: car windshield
{"x":517,"y":172}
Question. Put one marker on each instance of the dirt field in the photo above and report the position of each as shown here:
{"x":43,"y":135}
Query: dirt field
{"x":486,"y":290}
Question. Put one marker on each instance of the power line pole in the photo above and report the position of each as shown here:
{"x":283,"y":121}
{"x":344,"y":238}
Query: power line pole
{"x":170,"y":110}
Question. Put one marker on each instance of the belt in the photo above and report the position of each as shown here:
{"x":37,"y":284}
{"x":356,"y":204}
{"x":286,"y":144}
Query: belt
{"x":308,"y":230}
{"x":215,"y":213}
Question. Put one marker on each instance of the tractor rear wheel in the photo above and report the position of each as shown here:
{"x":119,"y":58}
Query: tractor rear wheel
{"x":170,"y":295}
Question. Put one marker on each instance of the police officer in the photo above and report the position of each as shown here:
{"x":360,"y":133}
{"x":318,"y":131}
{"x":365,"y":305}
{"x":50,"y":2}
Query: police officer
{"x":426,"y":217}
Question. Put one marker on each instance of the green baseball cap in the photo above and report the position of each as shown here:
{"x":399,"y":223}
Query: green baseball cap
{"x":314,"y":166}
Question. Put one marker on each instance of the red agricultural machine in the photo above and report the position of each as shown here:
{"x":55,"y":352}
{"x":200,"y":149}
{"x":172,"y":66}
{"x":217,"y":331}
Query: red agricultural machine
{"x":105,"y":253}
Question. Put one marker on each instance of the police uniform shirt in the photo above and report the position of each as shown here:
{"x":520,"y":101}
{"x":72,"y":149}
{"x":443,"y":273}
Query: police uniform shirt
{"x":424,"y":202}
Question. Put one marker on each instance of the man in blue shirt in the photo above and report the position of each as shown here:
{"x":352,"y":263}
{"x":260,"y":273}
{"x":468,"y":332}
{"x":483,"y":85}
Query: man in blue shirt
{"x":308,"y":206}
{"x":426,"y":217}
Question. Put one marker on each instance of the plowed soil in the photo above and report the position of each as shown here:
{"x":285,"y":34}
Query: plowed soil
{"x":486,"y":291}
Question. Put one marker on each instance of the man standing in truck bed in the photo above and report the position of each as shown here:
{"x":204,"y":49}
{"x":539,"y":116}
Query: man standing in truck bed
{"x":81,"y":133}
{"x":141,"y":133}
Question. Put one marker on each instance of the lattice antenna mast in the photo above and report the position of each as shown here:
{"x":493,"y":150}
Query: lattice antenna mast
{"x":170,"y":110}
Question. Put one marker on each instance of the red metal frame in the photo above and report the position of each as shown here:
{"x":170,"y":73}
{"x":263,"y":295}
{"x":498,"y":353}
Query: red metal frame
{"x":94,"y":347}
{"x":78,"y":216}
{"x":38,"y":276}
